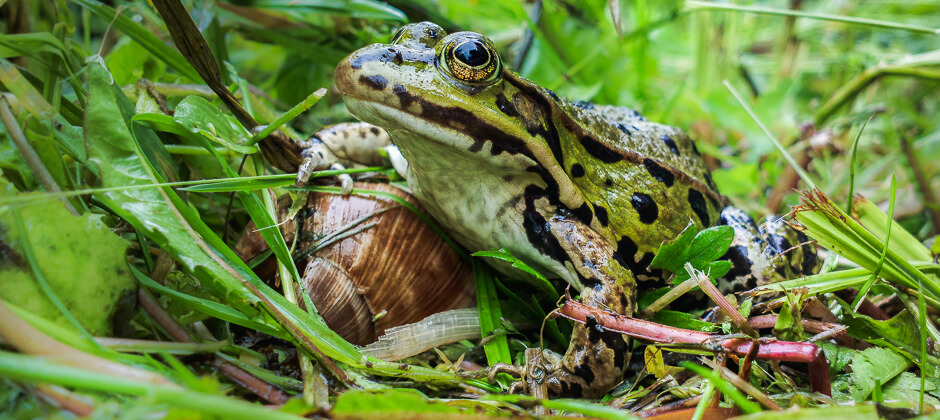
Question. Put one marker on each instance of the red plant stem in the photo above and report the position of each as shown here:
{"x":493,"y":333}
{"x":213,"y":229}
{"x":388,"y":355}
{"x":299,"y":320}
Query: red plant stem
{"x":770,"y":349}
{"x":813,"y":326}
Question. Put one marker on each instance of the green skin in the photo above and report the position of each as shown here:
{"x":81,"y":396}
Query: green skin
{"x":582,"y":192}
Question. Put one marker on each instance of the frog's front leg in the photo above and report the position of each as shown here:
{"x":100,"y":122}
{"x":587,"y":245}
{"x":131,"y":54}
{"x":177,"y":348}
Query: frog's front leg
{"x":341,"y":145}
{"x":596,"y":359}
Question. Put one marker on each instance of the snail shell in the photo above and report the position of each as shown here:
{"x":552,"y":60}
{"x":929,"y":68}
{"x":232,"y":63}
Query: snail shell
{"x":399,"y":268}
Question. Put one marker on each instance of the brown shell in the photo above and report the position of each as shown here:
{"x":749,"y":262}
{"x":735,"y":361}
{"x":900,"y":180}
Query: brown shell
{"x":399,"y":266}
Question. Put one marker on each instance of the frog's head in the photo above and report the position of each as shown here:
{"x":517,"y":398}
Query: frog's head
{"x":451,"y":89}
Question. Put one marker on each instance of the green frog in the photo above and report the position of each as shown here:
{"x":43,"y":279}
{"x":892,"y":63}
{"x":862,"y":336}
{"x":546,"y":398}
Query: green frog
{"x":581,"y":192}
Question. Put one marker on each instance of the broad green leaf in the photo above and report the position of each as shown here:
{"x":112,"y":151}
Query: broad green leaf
{"x":79,"y":257}
{"x":873,"y":364}
{"x":710,"y":244}
{"x":906,"y":387}
{"x":901,"y":331}
{"x":673,"y":255}
{"x":700,"y":248}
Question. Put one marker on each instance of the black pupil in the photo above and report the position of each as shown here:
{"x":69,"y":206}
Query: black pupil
{"x":472,"y":53}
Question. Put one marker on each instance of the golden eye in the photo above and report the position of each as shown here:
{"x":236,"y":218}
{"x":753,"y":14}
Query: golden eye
{"x":470,"y":58}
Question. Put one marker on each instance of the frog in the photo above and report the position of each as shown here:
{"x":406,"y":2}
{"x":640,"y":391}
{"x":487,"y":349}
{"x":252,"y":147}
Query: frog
{"x":581,"y":192}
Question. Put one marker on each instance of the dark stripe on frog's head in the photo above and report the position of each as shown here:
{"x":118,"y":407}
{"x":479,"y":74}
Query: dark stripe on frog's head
{"x":391,"y":54}
{"x":466,"y":122}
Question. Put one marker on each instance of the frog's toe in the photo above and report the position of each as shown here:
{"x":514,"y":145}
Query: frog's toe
{"x":345,"y":181}
{"x":314,"y":157}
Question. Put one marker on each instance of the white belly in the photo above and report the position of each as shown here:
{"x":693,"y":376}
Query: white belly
{"x":479,"y":205}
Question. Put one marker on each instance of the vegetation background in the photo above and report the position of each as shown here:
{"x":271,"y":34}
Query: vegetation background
{"x":813,"y":80}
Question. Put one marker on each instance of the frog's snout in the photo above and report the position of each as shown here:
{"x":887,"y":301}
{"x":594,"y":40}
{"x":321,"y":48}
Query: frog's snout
{"x":369,"y":70}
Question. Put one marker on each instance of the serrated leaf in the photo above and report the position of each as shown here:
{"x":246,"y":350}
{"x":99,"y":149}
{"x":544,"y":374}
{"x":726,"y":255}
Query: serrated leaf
{"x":873,"y":364}
{"x":906,"y":387}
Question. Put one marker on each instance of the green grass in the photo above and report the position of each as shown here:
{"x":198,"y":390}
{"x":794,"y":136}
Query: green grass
{"x":746,"y":80}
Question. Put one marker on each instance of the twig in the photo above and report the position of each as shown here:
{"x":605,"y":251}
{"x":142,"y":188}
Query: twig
{"x":238,"y":375}
{"x":743,"y":385}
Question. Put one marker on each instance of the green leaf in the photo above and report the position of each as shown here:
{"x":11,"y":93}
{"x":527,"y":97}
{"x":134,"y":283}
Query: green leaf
{"x":540,"y":281}
{"x":200,"y":116}
{"x":148,"y":40}
{"x":64,"y":248}
{"x":710,"y":244}
{"x":497,"y":346}
{"x":900,"y":331}
{"x":788,"y":326}
{"x":906,"y":387}
{"x":674,"y":254}
{"x":837,"y":356}
{"x":164,"y":218}
{"x":699,"y":248}
{"x":873,"y":364}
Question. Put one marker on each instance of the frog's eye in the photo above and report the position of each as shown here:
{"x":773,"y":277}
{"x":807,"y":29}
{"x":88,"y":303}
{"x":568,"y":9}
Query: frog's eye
{"x":470,"y":58}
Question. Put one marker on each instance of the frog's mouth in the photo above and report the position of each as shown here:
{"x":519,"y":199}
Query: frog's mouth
{"x":397,"y":120}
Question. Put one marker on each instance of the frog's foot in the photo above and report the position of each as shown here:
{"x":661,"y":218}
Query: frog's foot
{"x":594,"y":363}
{"x":532,"y":375}
{"x":773,"y":252}
{"x":341,"y":145}
{"x":596,"y":359}
{"x":316,"y":156}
